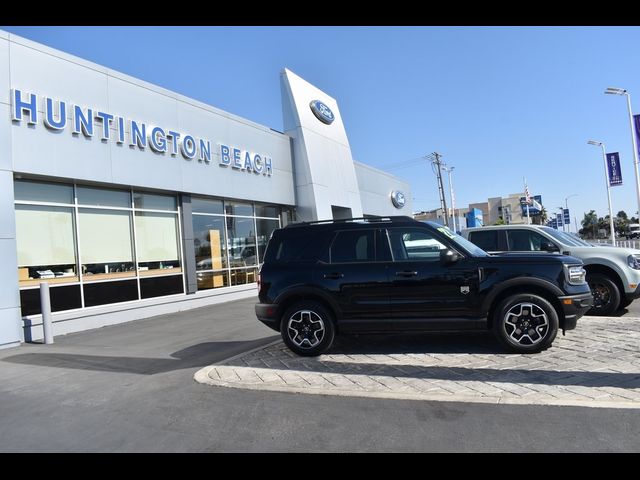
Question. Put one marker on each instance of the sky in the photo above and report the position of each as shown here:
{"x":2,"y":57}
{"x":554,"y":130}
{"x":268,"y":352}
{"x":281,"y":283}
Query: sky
{"x":498,"y":103}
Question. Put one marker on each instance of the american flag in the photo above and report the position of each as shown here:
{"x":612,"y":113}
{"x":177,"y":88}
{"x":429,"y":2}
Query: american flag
{"x":527,"y":195}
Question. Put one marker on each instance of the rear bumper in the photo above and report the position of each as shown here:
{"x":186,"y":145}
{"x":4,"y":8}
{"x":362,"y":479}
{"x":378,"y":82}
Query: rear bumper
{"x":268,"y":314}
{"x":574,"y":307}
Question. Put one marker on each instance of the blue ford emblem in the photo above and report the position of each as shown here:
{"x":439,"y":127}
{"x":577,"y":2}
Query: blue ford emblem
{"x":397,"y":198}
{"x":322,"y":112}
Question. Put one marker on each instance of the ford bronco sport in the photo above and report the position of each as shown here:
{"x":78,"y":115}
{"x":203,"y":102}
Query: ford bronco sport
{"x":395,"y":274}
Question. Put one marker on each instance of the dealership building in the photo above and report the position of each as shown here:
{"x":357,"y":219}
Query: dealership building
{"x":130,"y":200}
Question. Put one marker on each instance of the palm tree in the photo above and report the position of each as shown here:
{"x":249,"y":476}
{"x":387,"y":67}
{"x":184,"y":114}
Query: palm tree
{"x":590,"y":221}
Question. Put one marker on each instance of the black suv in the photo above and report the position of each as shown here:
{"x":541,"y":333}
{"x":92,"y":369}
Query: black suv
{"x":395,"y":274}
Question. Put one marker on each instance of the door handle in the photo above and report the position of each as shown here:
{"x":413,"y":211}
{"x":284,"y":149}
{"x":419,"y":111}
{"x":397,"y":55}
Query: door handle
{"x":334,"y":275}
{"x":406,"y":273}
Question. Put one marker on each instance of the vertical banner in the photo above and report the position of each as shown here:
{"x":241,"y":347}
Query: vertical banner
{"x":559,"y":219}
{"x":636,"y":124}
{"x":567,"y":218}
{"x":613,"y":169}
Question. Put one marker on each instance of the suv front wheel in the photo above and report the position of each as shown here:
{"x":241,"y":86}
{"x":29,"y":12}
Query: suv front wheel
{"x":525,"y":323}
{"x":606,"y":296}
{"x":307,"y":328}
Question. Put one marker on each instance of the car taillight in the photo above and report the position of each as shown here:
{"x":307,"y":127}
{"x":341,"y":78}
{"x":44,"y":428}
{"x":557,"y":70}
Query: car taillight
{"x":258,"y":282}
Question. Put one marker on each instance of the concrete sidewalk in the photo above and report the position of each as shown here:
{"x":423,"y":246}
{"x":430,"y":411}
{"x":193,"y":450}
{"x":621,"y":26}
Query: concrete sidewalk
{"x":596,"y":365}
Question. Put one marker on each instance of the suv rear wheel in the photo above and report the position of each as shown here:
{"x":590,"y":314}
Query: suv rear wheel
{"x":606,"y":296}
{"x":525,"y":323}
{"x":307,"y":328}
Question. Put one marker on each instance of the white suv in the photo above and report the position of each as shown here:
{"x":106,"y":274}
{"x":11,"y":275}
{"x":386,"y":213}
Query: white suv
{"x":613,"y":273}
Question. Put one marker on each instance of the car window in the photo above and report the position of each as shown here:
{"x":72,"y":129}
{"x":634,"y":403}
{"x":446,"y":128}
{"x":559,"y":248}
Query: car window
{"x":525,"y":240}
{"x":485,"y":239}
{"x":297,"y":248}
{"x":353,"y":246}
{"x":414,"y":244}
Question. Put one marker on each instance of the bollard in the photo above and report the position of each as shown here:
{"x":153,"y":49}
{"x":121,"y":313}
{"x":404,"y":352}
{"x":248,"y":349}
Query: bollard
{"x":45,"y":307}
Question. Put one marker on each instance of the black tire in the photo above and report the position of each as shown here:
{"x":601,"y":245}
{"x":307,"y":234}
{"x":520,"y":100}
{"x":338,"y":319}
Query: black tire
{"x":624,"y":303}
{"x":307,"y":328}
{"x":525,"y":323}
{"x":606,"y":296}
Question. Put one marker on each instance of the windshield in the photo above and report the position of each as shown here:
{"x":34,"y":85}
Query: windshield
{"x":566,"y":238}
{"x":472,"y":248}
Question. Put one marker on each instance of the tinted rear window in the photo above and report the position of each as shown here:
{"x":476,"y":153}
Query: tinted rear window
{"x":486,"y":240}
{"x":354,"y":246}
{"x":303,"y":247}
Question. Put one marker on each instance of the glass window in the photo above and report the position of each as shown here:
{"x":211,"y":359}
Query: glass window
{"x":25,"y":190}
{"x":525,"y":240}
{"x":157,"y":243}
{"x":265,"y":228}
{"x":267,"y":211}
{"x":298,"y":249}
{"x":102,"y":293}
{"x":152,"y":201}
{"x":64,"y":297}
{"x":486,"y":240}
{"x":103,"y":197}
{"x":242,"y":242}
{"x":237,"y":208}
{"x":353,"y":246}
{"x":205,"y":205}
{"x":161,"y":286}
{"x":46,"y":245}
{"x":105,"y":244}
{"x":408,"y":244}
{"x":242,"y":276}
{"x":209,"y":242}
{"x":207,"y":280}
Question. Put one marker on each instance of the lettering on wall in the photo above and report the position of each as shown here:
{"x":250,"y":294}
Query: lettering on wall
{"x":89,"y":122}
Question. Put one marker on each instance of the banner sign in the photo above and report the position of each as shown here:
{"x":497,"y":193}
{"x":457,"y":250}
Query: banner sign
{"x":636,"y":124}
{"x":535,"y":207}
{"x":613,"y":169}
{"x":559,"y":219}
{"x":567,"y":218}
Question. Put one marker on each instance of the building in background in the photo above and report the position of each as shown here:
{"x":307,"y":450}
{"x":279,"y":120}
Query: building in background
{"x":130,"y":200}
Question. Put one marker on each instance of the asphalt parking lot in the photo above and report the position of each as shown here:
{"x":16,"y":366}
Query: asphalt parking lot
{"x":131,"y":388}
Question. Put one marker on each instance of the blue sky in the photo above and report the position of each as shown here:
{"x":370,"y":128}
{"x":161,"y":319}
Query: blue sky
{"x":500,"y":103}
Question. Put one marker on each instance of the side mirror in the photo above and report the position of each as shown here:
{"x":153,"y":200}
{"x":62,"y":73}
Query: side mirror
{"x":549,"y":247}
{"x":449,"y":256}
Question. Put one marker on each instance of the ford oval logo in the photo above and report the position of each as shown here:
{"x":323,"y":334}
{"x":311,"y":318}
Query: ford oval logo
{"x":397,"y":198}
{"x":322,"y":112}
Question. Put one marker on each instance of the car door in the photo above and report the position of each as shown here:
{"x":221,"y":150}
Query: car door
{"x":356,"y":278}
{"x":426,"y":292}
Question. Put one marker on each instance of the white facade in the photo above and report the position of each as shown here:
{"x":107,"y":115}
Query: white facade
{"x":124,"y":133}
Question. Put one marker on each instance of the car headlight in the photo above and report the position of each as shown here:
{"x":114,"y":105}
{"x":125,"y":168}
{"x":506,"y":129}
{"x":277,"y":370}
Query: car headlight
{"x":575,"y":274}
{"x":634,"y":261}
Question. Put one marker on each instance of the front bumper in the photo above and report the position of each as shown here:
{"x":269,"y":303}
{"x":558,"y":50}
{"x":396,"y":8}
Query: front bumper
{"x":268,"y":314}
{"x":630,"y":296}
{"x":575,"y":306}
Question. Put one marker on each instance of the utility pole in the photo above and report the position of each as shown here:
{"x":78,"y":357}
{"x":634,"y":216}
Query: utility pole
{"x":449,"y":170}
{"x":437,"y":164}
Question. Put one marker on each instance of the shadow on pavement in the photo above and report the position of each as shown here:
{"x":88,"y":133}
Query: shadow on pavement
{"x":476,"y":342}
{"x":195,"y":356}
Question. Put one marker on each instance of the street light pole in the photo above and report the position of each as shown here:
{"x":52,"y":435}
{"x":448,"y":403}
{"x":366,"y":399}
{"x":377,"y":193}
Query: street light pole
{"x":566,"y":205}
{"x":449,"y":171}
{"x":622,"y":91}
{"x":606,"y":180}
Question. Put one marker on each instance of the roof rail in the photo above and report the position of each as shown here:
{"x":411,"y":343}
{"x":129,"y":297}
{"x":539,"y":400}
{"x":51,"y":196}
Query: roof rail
{"x":371,"y":219}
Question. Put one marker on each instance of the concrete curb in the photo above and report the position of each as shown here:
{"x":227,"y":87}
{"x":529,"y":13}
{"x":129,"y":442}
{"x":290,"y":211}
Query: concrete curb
{"x":202,"y":376}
